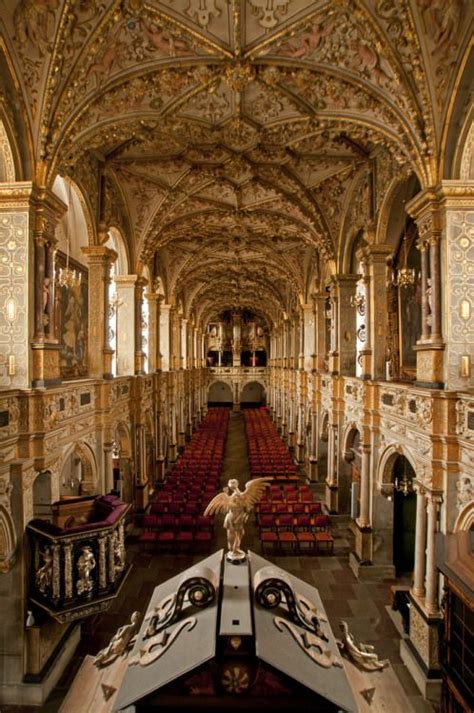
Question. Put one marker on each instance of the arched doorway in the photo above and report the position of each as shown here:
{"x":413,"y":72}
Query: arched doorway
{"x":78,"y":473}
{"x":219,"y":394}
{"x":252,"y":395}
{"x":42,"y":496}
{"x":404,"y":515}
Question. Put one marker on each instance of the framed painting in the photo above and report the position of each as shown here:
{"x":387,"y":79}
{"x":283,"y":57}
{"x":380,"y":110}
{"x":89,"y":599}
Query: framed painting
{"x":409,"y":310}
{"x":73,"y":315}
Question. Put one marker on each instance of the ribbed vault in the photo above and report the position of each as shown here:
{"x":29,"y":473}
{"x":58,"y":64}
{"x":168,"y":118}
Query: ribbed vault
{"x":236,"y":144}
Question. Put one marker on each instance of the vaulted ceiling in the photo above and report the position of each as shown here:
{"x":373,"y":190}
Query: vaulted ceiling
{"x":237,"y":144}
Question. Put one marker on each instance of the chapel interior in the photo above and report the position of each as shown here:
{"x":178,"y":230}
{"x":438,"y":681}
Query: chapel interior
{"x":237,"y":241}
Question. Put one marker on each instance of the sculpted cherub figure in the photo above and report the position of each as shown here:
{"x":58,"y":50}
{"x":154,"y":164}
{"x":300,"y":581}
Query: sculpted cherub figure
{"x":237,"y":505}
{"x":119,"y":643}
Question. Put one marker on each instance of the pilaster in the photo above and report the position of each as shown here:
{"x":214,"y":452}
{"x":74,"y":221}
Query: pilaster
{"x":425,"y":209}
{"x":99,"y":260}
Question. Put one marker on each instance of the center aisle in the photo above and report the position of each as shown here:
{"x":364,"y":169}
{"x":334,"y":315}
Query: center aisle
{"x":235,"y":465}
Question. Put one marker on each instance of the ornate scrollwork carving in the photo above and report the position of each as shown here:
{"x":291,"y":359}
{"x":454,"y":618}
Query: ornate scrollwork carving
{"x":199,"y":587}
{"x":312,"y":645}
{"x":272,"y":586}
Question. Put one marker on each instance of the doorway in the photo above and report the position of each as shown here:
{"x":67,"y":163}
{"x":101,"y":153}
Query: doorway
{"x":404,"y":516}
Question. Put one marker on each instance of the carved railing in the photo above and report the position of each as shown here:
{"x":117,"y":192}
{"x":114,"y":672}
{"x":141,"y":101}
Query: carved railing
{"x":78,"y":571}
{"x":238,"y":370}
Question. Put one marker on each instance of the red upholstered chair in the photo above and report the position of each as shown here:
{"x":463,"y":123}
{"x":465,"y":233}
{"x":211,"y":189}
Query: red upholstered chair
{"x":288,"y":542}
{"x":303,"y":522}
{"x":186,"y":521}
{"x":168,"y":521}
{"x":184,"y":539}
{"x":321,"y":522}
{"x":267,"y":522}
{"x":204,"y":522}
{"x":306,"y":542}
{"x":284,"y":522}
{"x":268,"y":540}
{"x":323,"y":536}
{"x":298,"y":508}
{"x":150,"y":521}
{"x":202,"y":539}
{"x":148,"y":538}
{"x":166,"y":540}
{"x":314,"y":508}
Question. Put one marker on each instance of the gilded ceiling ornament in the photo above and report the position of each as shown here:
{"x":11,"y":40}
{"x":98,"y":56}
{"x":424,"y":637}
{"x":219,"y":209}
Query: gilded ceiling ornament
{"x":202,"y":11}
{"x":238,"y":75}
{"x":34,"y":24}
{"x":269,"y":12}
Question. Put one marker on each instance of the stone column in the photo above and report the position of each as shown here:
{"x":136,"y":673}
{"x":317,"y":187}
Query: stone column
{"x":172,"y":337}
{"x":345,"y":326}
{"x":377,"y":318}
{"x":47,"y":210}
{"x":307,"y":338}
{"x":319,"y":310}
{"x":431,"y":597}
{"x":300,"y":433}
{"x":313,"y":457}
{"x":164,"y":341}
{"x":139,"y":353}
{"x":108,"y":468}
{"x":160,"y":456}
{"x":425,"y":209}
{"x":142,"y":476}
{"x":364,"y":517}
{"x":184,"y":343}
{"x":196,"y":348}
{"x":126,"y":324}
{"x":99,"y":260}
{"x":423,"y":247}
{"x":420,"y":652}
{"x":331,"y":480}
{"x":173,"y":440}
{"x":153,"y":330}
{"x":420,"y":542}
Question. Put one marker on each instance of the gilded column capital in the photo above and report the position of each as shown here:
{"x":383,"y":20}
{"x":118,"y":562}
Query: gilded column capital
{"x":97,"y":254}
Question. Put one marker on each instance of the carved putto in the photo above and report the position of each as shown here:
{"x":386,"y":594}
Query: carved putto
{"x":121,"y":641}
{"x":44,"y":575}
{"x":85,"y":565}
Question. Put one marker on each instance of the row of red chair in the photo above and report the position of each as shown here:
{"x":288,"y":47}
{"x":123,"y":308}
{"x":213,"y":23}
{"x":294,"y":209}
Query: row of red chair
{"x":268,"y":455}
{"x":297,"y":493}
{"x":283,"y":507}
{"x":296,"y":543}
{"x":288,"y":518}
{"x":289,"y":534}
{"x":175,"y":522}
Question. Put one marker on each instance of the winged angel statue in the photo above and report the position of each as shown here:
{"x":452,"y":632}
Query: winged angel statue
{"x":237,"y":506}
